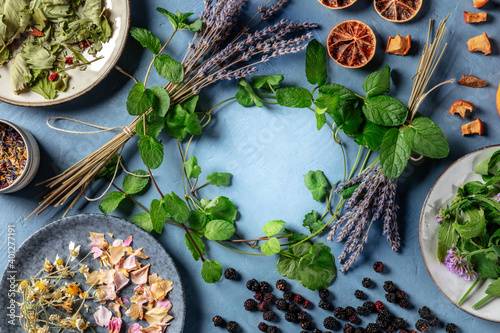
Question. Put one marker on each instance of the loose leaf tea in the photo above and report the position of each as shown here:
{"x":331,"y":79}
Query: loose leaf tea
{"x":12,"y":155}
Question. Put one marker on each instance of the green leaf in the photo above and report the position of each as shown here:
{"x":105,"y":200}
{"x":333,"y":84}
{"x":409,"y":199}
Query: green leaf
{"x":219,"y":178}
{"x":133,"y":184}
{"x":169,"y":68}
{"x":349,"y":119}
{"x":140,"y":100}
{"x":317,"y":269}
{"x":192,"y":248}
{"x":295,"y":236}
{"x":221,"y":208}
{"x":320,"y":120}
{"x":348,"y":192}
{"x":474,"y":226}
{"x":328,"y":102}
{"x":394,"y":153}
{"x":378,"y":83}
{"x":246,"y":96}
{"x":193,"y":170}
{"x":385,"y":111}
{"x":92,"y":10}
{"x":38,"y":57}
{"x":312,"y":223}
{"x":487,"y":167}
{"x":316,"y":71}
{"x":111,"y":202}
{"x":317,"y":183}
{"x":273,"y":227}
{"x":494,"y":288}
{"x":146,"y":38}
{"x":153,"y":128}
{"x":180,"y":122}
{"x":190,"y":104}
{"x":372,"y":136}
{"x":195,"y":26}
{"x":427,"y":139}
{"x":158,"y":215}
{"x":143,"y":220}
{"x":447,"y":236}
{"x":344,"y":94}
{"x":219,"y":230}
{"x":44,"y":87}
{"x":151,"y":151}
{"x":272,"y":246}
{"x":109,"y":168}
{"x":487,"y":268}
{"x":294,"y":97}
{"x":287,"y":266}
{"x":211,"y":271}
{"x":163,"y":102}
{"x":171,"y":17}
{"x":268,"y":82}
{"x":176,"y":207}
{"x":197,"y":220}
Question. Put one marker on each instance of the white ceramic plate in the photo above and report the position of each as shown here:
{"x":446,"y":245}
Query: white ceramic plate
{"x":442,"y":193}
{"x":81,"y":81}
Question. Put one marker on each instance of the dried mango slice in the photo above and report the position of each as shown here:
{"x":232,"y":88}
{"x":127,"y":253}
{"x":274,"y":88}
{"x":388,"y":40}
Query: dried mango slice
{"x":472,"y":81}
{"x":475,"y":17}
{"x":480,"y":43}
{"x":398,"y":45}
{"x":474,"y":127}
{"x":480,"y":3}
{"x":461,"y":107}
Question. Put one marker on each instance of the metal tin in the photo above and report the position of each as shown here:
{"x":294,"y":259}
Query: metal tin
{"x":32,"y":160}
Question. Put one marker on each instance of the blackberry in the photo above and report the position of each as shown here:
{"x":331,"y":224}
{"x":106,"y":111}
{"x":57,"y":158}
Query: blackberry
{"x":292,"y":307}
{"x":281,"y":304}
{"x":339,"y":313}
{"x":324,"y":293}
{"x":367,"y":282}
{"x":371,"y":328}
{"x":330,"y":323}
{"x":262,"y":306}
{"x":258,"y":296}
{"x":265,"y":287}
{"x":288,"y":295}
{"x":253,"y":285}
{"x":384,"y":314}
{"x":404,"y":304}
{"x":378,"y":267}
{"x":369,"y":307}
{"x":306,"y":325}
{"x":268,"y":298}
{"x":349,"y":311}
{"x":359,"y":330}
{"x":291,"y":317}
{"x":302,"y":315}
{"x":323,"y":304}
{"x":250,"y":304}
{"x":398,"y":322}
{"x":268,"y":315}
{"x":389,"y":286}
{"x":379,"y":305}
{"x":433,"y":321}
{"x":359,"y":294}
{"x":390,"y":329}
{"x":230,"y":274}
{"x":400,"y":294}
{"x":232,"y":326}
{"x":272,"y":329}
{"x":360,"y":310}
{"x":306,"y":304}
{"x":353,"y":319}
{"x":422,"y":325}
{"x":218,"y":321}
{"x":381,"y":322}
{"x":424,"y":312}
{"x":451,"y":328}
{"x":262,"y":327}
{"x":348,"y":328}
{"x":404,"y":331}
{"x":298,"y":298}
{"x":281,"y":284}
{"x":390,"y":297}
{"x":316,"y":330}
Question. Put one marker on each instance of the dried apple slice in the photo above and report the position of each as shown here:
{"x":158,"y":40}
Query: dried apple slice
{"x":475,"y":17}
{"x":474,"y":127}
{"x":461,"y":107}
{"x":480,"y":3}
{"x":399,"y":45}
{"x":480,"y":43}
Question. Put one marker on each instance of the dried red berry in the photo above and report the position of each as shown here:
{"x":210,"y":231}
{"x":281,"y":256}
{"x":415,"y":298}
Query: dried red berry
{"x":353,"y":319}
{"x":53,"y":77}
{"x":378,"y":267}
{"x":379,"y":305}
{"x":68,"y":60}
{"x":298,"y":298}
{"x":306,"y":304}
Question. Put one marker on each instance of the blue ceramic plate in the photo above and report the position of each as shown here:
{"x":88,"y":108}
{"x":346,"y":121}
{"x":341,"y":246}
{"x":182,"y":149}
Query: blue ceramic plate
{"x":54,"y":239}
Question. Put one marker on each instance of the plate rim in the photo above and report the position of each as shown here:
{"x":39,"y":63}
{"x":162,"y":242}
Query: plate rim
{"x":105,"y":73}
{"x":420,"y":230}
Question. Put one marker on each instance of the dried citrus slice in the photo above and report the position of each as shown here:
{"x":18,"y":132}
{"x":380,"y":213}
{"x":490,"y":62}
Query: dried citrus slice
{"x":397,"y":10}
{"x":351,"y":44}
{"x":337,"y":4}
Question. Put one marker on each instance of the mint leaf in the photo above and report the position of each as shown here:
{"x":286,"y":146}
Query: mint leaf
{"x":219,"y":230}
{"x":195,"y":26}
{"x":140,"y":100}
{"x":211,"y":271}
{"x":394,"y":153}
{"x":175,"y":207}
{"x":494,"y":288}
{"x":246,"y":96}
{"x":153,"y":128}
{"x":385,"y":111}
{"x":312,"y":223}
{"x":320,"y":119}
{"x":474,"y":226}
{"x":287,"y":266}
{"x":133,"y":185}
{"x":192,"y":248}
{"x":190,"y":104}
{"x":171,"y":17}
{"x":427,"y":139}
{"x":489,"y":166}
{"x":336,"y":89}
{"x":317,"y":269}
{"x":163,"y":103}
{"x":317,"y":183}
{"x":447,"y":236}
{"x":267,"y":82}
{"x":197,"y":220}
{"x":316,"y":71}
{"x":294,"y":97}
{"x":485,"y":267}
{"x":328,"y":102}
{"x":272,"y":246}
{"x":146,"y":38}
{"x":350,"y":119}
{"x":193,"y":170}
{"x":111,"y":202}
{"x":295,"y":236}
{"x":143,"y":220}
{"x":378,"y":83}
{"x":371,"y":136}
{"x":169,"y":68}
{"x":219,"y":178}
{"x":273,"y":227}
{"x":180,"y":122}
{"x":109,"y":168}
{"x":221,"y":208}
{"x":158,"y":215}
{"x":151,"y":151}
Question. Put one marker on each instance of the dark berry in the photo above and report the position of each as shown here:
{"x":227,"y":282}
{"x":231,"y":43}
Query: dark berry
{"x":404,"y":331}
{"x":250,"y":304}
{"x":389,"y":286}
{"x":291,"y":317}
{"x":306,"y":325}
{"x":367,"y":282}
{"x":253,"y":285}
{"x":218,"y":321}
{"x":323,"y":304}
{"x":316,"y":330}
{"x":265,"y":287}
{"x":232,"y":326}
{"x":424,"y":312}
{"x":302,"y":315}
{"x":268,"y":315}
{"x":433,"y":321}
{"x":369,"y":307}
{"x":262,"y":327}
{"x":339,"y":313}
{"x":281,"y":304}
{"x":292,"y":307}
{"x":348,"y":328}
{"x":306,"y":304}
{"x":324,"y":293}
{"x":272,"y":329}
{"x":389,"y":329}
{"x":330,"y":323}
{"x":451,"y":328}
{"x":384,"y":314}
{"x":262,"y":306}
{"x":378,"y":267}
{"x":390,"y":297}
{"x":359,"y":330}
{"x":281,"y":284}
{"x":400,"y":294}
{"x":288,"y":295}
{"x":353,"y":319}
{"x":230,"y":274}
{"x":268,"y":298}
{"x":381,"y":322}
{"x":404,"y":304}
{"x":298,"y":299}
{"x":359,"y":294}
{"x":379,"y":305}
{"x":258,"y":296}
{"x":360,"y":310}
{"x":422,"y":325}
{"x":349,"y":311}
{"x":372,"y":328}
{"x":398,"y":322}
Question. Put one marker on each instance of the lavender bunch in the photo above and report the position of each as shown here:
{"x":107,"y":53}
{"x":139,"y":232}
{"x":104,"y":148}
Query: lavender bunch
{"x":373,"y":200}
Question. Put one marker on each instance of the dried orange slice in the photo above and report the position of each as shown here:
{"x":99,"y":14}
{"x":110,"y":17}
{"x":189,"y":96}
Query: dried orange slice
{"x":351,"y":44}
{"x":337,"y":4}
{"x":397,"y":10}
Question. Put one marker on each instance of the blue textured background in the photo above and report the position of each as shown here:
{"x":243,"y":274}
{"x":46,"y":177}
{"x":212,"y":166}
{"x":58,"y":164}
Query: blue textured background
{"x":268,"y":150}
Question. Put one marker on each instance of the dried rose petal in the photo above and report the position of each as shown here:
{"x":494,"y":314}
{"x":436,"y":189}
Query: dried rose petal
{"x":120,"y":280}
{"x":115,"y":325}
{"x":135,"y":328}
{"x":102,"y":316}
{"x":140,"y":276}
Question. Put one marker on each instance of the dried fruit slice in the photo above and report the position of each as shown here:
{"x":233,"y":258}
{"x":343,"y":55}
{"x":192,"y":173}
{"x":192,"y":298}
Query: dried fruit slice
{"x":461,"y":107}
{"x":337,"y":4}
{"x":351,"y":44}
{"x":399,"y":45}
{"x":397,"y":10}
{"x":474,"y":127}
{"x":480,"y":43}
{"x":471,"y":81}
{"x":475,"y":17}
{"x":479,"y":3}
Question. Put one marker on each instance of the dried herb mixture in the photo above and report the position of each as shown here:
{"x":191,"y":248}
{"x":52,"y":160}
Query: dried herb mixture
{"x":12,"y":155}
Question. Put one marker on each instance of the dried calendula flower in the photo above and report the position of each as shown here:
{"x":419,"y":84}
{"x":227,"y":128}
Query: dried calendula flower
{"x":399,"y":45}
{"x":480,"y":43}
{"x":461,"y":107}
{"x":472,"y":81}
{"x":480,"y":3}
{"x":475,"y":17}
{"x":474,"y":127}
